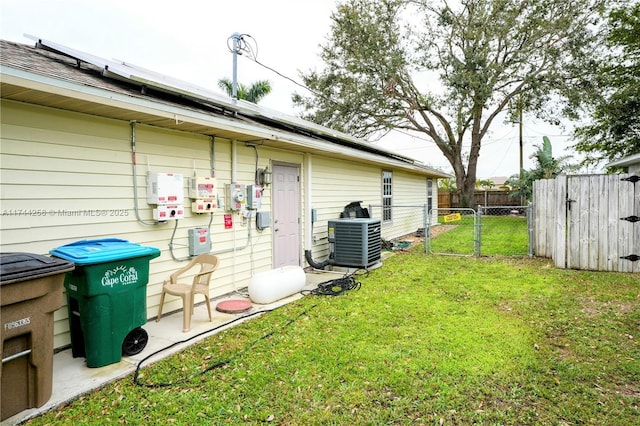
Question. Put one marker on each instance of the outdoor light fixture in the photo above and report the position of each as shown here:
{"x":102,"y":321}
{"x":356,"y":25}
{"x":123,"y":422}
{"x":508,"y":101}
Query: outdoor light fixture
{"x":264,"y":176}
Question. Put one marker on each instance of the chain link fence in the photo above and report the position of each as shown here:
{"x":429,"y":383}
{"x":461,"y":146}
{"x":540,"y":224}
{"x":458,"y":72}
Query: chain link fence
{"x":406,"y":226}
{"x":454,"y":232}
{"x":505,"y":230}
{"x":487,"y":231}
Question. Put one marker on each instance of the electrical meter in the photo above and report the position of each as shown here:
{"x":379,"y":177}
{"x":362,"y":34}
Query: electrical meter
{"x":202,"y":188}
{"x":254,"y":197}
{"x":235,"y":197}
{"x":165,"y":188}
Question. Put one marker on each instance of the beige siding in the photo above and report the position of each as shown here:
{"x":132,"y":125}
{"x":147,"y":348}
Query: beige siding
{"x":59,"y":167}
{"x":409,"y":201}
{"x":336,"y":183}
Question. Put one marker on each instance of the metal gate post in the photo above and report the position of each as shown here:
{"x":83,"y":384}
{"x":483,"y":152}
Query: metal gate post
{"x":427,"y":233}
{"x":530,"y":227}
{"x":479,"y":231}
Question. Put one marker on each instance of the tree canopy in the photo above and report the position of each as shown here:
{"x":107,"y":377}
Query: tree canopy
{"x":253,"y":93}
{"x":614,"y":131}
{"x":447,"y":72}
{"x":546,"y":167}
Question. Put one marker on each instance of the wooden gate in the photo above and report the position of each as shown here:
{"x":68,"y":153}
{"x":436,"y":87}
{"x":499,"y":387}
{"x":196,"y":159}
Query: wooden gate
{"x":588,"y":222}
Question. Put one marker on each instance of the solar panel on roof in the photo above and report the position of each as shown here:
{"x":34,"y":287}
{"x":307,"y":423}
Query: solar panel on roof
{"x":133,"y":73}
{"x":139,"y":75}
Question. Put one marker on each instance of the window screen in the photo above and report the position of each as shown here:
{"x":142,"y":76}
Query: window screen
{"x":387,"y":196}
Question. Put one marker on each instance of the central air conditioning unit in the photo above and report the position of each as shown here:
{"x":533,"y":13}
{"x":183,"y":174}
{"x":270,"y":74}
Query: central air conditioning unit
{"x":355,"y":242}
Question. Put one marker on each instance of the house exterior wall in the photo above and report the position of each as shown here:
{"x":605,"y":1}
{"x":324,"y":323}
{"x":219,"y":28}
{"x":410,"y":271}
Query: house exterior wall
{"x":336,"y":183}
{"x":333,"y":190}
{"x":67,"y":176}
{"x":409,"y":201}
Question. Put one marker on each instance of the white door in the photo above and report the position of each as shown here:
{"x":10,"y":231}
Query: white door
{"x":286,"y":215}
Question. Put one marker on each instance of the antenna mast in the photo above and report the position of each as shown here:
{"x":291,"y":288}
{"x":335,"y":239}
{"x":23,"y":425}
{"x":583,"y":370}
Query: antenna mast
{"x":236,"y":51}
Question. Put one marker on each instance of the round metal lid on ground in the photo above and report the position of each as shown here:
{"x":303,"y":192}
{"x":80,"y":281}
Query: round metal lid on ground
{"x":234,"y":306}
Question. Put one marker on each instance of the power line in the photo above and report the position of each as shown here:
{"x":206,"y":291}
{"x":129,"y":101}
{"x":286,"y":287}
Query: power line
{"x":244,"y":46}
{"x":252,"y":54}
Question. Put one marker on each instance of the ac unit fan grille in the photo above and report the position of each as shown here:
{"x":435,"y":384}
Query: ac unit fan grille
{"x":357,"y":242}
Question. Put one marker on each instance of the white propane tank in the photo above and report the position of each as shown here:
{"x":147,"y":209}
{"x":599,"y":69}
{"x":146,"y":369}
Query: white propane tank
{"x":275,"y":284}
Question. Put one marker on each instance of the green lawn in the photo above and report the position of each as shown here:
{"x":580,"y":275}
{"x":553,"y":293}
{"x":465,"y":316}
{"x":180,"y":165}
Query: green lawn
{"x":426,"y":340}
{"x":507,"y":235}
{"x":501,"y":235}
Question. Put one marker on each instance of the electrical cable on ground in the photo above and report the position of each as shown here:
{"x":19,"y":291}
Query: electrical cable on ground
{"x":333,"y":287}
{"x":216,"y":364}
{"x":336,"y":286}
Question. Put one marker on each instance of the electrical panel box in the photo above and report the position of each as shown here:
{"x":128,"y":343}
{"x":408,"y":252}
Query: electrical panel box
{"x":201,"y":188}
{"x":203,"y":206}
{"x":165,"y":188}
{"x":254,"y":197}
{"x":164,"y":212}
{"x":263,"y":220}
{"x":199,"y":241}
{"x":235,"y":199}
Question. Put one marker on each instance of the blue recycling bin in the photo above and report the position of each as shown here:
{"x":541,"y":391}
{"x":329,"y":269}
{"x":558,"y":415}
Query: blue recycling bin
{"x":107,"y":298}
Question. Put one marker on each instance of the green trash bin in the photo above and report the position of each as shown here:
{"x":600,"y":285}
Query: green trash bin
{"x":107,"y":298}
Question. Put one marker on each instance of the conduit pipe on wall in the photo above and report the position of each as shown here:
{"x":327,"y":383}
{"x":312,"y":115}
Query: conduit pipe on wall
{"x":234,"y":176}
{"x":308,"y":224}
{"x":135,"y":176}
{"x":212,"y":156}
{"x":234,"y":161}
{"x":249,"y":237}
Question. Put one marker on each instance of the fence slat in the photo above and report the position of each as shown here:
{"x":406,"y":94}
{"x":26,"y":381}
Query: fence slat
{"x":551,"y":219}
{"x":592,"y":232}
{"x":635,"y":243}
{"x":560,"y":234}
{"x":578,"y":222}
{"x":625,"y":228}
{"x":612,"y":224}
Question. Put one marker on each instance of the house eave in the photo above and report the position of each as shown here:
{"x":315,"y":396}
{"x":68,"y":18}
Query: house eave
{"x":25,"y":86}
{"x":632,"y":160}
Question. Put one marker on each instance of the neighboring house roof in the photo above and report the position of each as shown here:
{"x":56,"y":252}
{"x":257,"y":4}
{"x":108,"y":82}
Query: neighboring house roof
{"x":498,"y":180}
{"x":632,"y":162}
{"x":53,"y":75}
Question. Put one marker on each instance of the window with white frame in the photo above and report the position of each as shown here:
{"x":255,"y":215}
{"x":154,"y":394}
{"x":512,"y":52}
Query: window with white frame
{"x":387,"y":195}
{"x":429,"y":195}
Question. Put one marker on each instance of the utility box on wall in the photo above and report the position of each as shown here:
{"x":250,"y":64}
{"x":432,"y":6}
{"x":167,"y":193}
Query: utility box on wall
{"x":202,"y":188}
{"x":254,"y":197}
{"x":166,"y":212}
{"x":263,"y":220}
{"x":166,"y":191}
{"x":203,"y":192}
{"x":165,"y":188}
{"x":199,"y":241}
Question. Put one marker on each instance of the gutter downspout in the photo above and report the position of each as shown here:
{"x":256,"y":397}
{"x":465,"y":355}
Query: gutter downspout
{"x":308,"y":224}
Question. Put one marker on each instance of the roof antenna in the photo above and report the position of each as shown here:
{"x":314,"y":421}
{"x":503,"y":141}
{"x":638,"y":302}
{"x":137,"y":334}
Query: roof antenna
{"x":237,"y":38}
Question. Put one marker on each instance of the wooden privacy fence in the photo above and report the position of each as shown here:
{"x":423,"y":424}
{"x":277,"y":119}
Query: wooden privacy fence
{"x":480,"y":198}
{"x":588,"y":222}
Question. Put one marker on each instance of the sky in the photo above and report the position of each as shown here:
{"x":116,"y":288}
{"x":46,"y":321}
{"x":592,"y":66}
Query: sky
{"x":188,"y":40}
